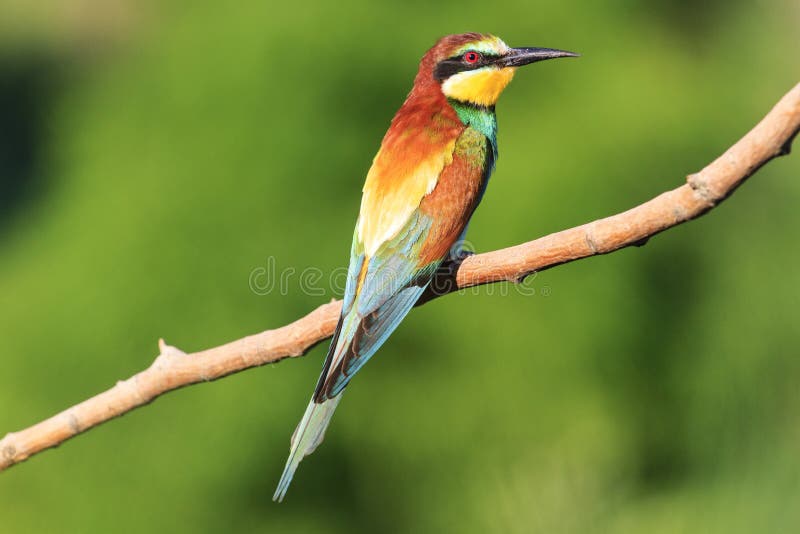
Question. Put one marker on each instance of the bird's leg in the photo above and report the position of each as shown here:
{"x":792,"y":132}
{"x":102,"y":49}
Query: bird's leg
{"x":458,"y":256}
{"x":461,"y":250}
{"x":444,"y":279}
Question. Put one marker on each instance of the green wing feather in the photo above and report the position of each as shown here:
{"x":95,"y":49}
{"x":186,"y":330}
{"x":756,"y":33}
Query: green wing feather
{"x":393,"y":283}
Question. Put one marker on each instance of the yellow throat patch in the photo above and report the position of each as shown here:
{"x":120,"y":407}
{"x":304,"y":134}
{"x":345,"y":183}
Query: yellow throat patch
{"x":481,"y":87}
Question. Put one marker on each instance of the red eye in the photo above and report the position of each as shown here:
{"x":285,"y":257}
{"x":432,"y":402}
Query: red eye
{"x":471,"y":57}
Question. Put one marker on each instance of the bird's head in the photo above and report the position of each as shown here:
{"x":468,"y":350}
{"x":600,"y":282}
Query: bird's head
{"x":474,"y":68}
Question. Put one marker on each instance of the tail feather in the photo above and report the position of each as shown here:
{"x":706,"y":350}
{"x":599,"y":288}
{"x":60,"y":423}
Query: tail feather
{"x":307,"y":436}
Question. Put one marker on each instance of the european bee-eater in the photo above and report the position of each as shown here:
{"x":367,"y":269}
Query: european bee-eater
{"x":424,"y":184}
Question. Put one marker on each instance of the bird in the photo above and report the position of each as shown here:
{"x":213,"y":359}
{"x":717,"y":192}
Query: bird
{"x":426,"y":180}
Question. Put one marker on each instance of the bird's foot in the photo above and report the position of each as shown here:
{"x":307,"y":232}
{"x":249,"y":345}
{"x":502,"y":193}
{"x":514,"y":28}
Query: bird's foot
{"x":461,"y":254}
{"x":460,"y":251}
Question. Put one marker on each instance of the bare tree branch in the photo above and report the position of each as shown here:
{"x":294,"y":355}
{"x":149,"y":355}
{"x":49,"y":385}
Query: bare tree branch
{"x":175,"y":369}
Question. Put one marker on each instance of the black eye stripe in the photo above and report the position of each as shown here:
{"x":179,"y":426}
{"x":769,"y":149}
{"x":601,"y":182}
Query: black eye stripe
{"x":453,"y":65}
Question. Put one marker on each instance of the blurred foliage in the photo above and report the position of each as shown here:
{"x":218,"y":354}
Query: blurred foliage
{"x":154,"y":155}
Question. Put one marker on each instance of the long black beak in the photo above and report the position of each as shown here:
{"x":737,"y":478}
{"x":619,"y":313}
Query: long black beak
{"x":517,"y":57}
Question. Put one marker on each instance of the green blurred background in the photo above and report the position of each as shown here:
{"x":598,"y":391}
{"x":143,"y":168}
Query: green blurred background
{"x":153,"y":155}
